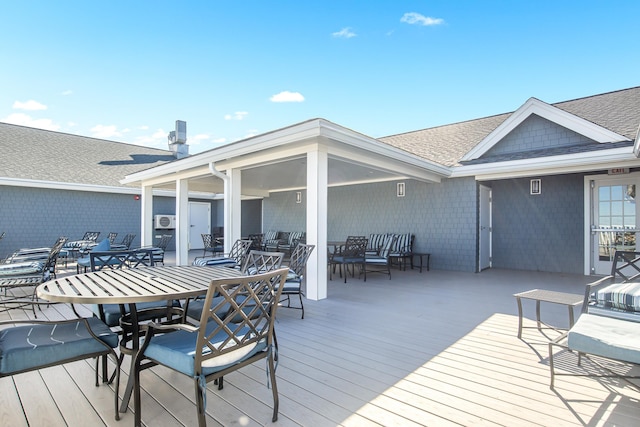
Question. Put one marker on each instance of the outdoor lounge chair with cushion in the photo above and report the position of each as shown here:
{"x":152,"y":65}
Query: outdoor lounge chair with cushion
{"x":235,"y":257}
{"x":27,"y":274}
{"x":29,"y":345}
{"x":297,"y":267}
{"x":125,"y":244}
{"x":218,"y":346}
{"x":380,"y":262}
{"x":84,"y":262}
{"x":212,"y":243}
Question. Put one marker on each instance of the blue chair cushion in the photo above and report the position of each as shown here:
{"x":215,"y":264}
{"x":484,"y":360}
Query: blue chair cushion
{"x":104,"y":245}
{"x":27,"y":347}
{"x":177,"y":351}
{"x":112,"y":312}
{"x":606,"y":336}
{"x":21,"y":269}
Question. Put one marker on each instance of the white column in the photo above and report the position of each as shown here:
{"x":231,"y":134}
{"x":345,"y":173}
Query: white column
{"x":182,"y":219}
{"x":232,"y":208}
{"x":146,"y":216}
{"x":317,"y":182}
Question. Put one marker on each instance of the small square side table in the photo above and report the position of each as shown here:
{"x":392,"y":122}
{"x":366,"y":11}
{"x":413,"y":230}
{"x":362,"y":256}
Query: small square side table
{"x":542,"y":295}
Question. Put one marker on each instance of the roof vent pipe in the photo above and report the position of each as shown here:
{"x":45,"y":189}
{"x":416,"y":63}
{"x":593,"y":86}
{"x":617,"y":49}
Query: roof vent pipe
{"x":177,"y":140}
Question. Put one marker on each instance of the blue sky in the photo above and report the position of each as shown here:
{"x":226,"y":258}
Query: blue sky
{"x":126,"y":70}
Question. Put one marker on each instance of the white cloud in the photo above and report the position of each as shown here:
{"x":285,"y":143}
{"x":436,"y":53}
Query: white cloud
{"x":344,"y":33}
{"x":238,"y":115}
{"x":29,"y":105}
{"x":26,"y":120}
{"x":287,"y":96}
{"x":105,"y":132}
{"x":419,"y":19}
{"x":196,"y":140}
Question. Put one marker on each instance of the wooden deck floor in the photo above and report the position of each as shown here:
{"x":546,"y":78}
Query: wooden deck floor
{"x":437,"y":348}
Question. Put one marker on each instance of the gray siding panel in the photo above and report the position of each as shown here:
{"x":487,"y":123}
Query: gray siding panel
{"x":539,"y":233}
{"x":441,"y":216}
{"x":35,"y":217}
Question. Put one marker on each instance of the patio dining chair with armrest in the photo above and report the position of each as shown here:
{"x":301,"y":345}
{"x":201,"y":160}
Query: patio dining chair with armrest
{"x":29,"y":345}
{"x":257,"y":262}
{"x":212,"y":243}
{"x":297,"y":267}
{"x":352,"y":253}
{"x":218,"y":346}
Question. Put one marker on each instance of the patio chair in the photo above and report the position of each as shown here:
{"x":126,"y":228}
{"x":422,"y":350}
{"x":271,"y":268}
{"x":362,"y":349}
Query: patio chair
{"x":84,"y":261}
{"x":353,"y":253}
{"x":112,"y":237}
{"x":380,"y":262}
{"x":235,"y":258}
{"x":28,"y":274}
{"x":297,"y":267}
{"x":114,"y":315}
{"x":211,"y":244}
{"x":257,"y":242}
{"x":72,"y":248}
{"x":29,"y":345}
{"x":125,"y":244}
{"x":218,"y":346}
{"x":257,"y":262}
{"x":160,"y":248}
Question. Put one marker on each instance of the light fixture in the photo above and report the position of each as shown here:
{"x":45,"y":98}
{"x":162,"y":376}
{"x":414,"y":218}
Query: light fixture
{"x":400,"y":189}
{"x":536,"y":186}
{"x":298,"y":196}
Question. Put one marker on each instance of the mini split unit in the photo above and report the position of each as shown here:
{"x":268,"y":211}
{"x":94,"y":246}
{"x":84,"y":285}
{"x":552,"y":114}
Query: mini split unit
{"x":164,"y":222}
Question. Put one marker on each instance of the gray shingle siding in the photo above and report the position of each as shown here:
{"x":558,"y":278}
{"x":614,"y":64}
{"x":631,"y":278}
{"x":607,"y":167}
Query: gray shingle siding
{"x":539,"y":233}
{"x":34,"y":217}
{"x":441,"y":216}
{"x":537,"y":133}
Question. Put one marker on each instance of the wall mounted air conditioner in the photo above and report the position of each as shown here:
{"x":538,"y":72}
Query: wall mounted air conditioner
{"x":164,"y":222}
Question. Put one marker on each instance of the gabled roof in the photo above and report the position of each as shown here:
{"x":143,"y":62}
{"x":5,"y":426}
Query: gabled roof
{"x":44,"y":158}
{"x":616,"y":114}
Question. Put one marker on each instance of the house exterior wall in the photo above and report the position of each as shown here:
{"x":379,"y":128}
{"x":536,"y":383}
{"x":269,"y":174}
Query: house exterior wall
{"x":36,"y":217}
{"x":443,"y":217}
{"x":539,"y":232}
{"x":536,"y":133}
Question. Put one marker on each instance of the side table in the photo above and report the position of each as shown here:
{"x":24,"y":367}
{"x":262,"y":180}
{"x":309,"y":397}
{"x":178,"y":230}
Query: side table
{"x":421,"y":255}
{"x":541,"y":295}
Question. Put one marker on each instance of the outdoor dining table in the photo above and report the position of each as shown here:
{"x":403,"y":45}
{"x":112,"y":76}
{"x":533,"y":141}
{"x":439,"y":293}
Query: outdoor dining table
{"x":131,"y":286}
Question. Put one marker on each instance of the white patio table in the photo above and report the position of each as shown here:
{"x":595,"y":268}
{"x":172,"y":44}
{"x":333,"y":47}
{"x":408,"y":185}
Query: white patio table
{"x":131,"y":286}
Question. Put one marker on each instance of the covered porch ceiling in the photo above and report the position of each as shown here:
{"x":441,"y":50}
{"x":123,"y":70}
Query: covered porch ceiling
{"x":277,"y":162}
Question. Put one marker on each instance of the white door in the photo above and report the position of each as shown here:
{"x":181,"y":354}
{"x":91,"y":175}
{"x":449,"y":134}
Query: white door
{"x":614,"y":221}
{"x":199,"y":223}
{"x":484,"y":256}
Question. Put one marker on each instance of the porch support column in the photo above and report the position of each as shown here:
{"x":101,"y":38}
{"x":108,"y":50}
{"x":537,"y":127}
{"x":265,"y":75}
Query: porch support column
{"x":232,"y":208}
{"x":182,"y":219}
{"x":317,"y":182}
{"x":146,"y":215}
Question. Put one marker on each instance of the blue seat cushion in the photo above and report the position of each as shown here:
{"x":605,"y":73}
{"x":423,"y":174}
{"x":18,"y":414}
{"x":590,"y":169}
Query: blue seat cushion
{"x":177,"y":351}
{"x":28,"y":347}
{"x":112,"y":312}
{"x":21,"y":268}
{"x":606,"y":336}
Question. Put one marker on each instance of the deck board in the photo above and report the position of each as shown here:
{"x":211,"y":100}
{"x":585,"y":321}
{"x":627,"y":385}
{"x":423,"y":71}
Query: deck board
{"x":437,"y":348}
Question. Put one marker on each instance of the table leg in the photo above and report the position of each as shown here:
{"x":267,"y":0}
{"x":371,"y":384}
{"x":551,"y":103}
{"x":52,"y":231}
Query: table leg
{"x":570,"y":316}
{"x":519,"y":317}
{"x":135,"y":343}
{"x":538,"y":313}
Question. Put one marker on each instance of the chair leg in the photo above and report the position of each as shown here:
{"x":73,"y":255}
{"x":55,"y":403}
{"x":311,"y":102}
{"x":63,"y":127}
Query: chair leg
{"x":274,"y":388}
{"x":200,"y":402}
{"x":301,"y":306}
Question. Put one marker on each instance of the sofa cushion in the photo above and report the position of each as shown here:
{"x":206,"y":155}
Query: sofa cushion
{"x":606,"y":336}
{"x":375,"y":242}
{"x":402,"y":245}
{"x":215,"y":261}
{"x":623,"y":296}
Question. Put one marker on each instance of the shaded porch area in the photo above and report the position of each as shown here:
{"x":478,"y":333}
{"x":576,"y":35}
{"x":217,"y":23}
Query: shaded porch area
{"x":437,"y":348}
